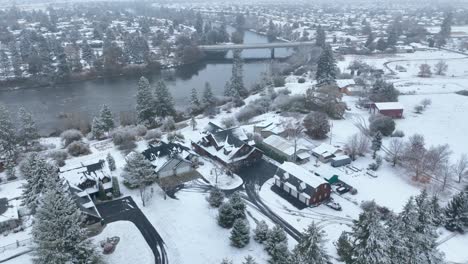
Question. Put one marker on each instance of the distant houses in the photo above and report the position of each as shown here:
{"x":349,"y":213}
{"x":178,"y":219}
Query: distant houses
{"x":228,"y":148}
{"x":301,"y":184}
{"x":390,"y":109}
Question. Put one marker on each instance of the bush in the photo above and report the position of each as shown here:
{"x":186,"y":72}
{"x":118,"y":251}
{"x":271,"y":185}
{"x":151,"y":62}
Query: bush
{"x":462,"y":92}
{"x":59,"y":156}
{"x":124,"y":138}
{"x":383,"y":124}
{"x":168,"y":124}
{"x":418,"y":109}
{"x":301,"y":80}
{"x":141,"y":130}
{"x":398,"y":133}
{"x":248,"y":112}
{"x":229,"y":122}
{"x":153,"y":134}
{"x":175,"y":136}
{"x":216,"y":198}
{"x":261,"y":232}
{"x":78,"y":148}
{"x":70,"y":135}
{"x":376,"y":165}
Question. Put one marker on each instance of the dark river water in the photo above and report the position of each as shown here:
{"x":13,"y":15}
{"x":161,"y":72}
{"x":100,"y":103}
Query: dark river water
{"x":86,"y":98}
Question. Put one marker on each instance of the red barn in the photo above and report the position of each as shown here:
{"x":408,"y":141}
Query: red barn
{"x":391,"y":109}
{"x":302,"y":184}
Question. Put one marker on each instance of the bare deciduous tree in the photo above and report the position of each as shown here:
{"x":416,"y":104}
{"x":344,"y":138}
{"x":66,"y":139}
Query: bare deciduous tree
{"x":444,"y":174}
{"x":414,"y":156}
{"x":426,"y":102}
{"x":357,"y":144}
{"x":441,"y":67}
{"x":395,"y":148}
{"x":294,"y":130}
{"x":460,"y":168}
{"x":436,"y":157}
{"x":425,"y":70}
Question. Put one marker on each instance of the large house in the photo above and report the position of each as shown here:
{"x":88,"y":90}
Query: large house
{"x":226,"y":147}
{"x":86,"y":204}
{"x":89,"y":178}
{"x":170,"y":159}
{"x":391,"y":109}
{"x":267,"y":128}
{"x":284,"y":148}
{"x":302,"y":184}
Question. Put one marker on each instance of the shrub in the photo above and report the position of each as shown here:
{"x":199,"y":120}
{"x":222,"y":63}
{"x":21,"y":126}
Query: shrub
{"x":153,"y":134}
{"x":418,"y":109}
{"x":301,"y":80}
{"x":229,"y":122}
{"x":247,"y":113}
{"x":168,"y":124}
{"x":70,"y":135}
{"x":175,"y":136}
{"x":398,"y":133}
{"x":124,"y":138}
{"x":141,"y":130}
{"x":462,"y":92}
{"x":216,"y":198}
{"x":59,"y":156}
{"x":78,"y":148}
{"x":382,"y":124}
{"x":284,"y":91}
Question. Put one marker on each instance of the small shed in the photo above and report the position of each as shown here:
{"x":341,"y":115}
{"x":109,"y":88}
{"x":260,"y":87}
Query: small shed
{"x":340,"y":161}
{"x":390,"y":109}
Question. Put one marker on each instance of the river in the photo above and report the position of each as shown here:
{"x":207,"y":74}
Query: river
{"x":87,"y":97}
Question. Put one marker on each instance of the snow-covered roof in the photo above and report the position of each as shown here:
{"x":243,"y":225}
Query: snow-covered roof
{"x":8,"y":210}
{"x":341,"y":157}
{"x":389,"y":106}
{"x":325,"y":150}
{"x":285,"y":146}
{"x":302,"y":174}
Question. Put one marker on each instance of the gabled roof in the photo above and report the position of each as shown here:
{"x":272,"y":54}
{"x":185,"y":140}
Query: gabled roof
{"x":85,"y":203}
{"x":173,"y":164}
{"x":285,"y":146}
{"x":163,"y":149}
{"x":389,"y":106}
{"x":325,"y":150}
{"x":301,"y":174}
{"x":232,"y":136}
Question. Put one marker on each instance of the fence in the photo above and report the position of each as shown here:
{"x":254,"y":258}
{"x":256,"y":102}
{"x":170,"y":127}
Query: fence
{"x":17,"y":244}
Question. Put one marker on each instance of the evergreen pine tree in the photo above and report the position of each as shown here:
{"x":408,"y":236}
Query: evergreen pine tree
{"x":87,"y":52}
{"x":145,"y":103}
{"x":10,"y":169}
{"x":280,"y":254}
{"x":261,"y":232}
{"x":101,"y":192}
{"x":37,"y":173}
{"x":138,"y":173}
{"x":240,"y":233}
{"x":15,"y":59}
{"x":28,"y":129}
{"x":107,"y":118}
{"x":376,"y":143}
{"x":456,"y":212}
{"x":164,"y":104}
{"x":437,"y":211}
{"x":310,"y":249}
{"x":216,"y":197}
{"x":226,"y":261}
{"x":58,"y":231}
{"x":320,"y":37}
{"x":193,"y":123}
{"x":326,"y":67}
{"x":276,"y":236}
{"x":110,"y":162}
{"x":226,"y":216}
{"x":403,"y":236}
{"x":236,"y":84}
{"x":194,"y":102}
{"x":238,"y":205}
{"x":370,"y":240}
{"x":344,"y":248}
{"x":115,"y":187}
{"x":97,"y":128}
{"x":7,"y":134}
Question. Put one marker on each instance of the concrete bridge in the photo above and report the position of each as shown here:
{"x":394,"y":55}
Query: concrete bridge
{"x":270,"y":46}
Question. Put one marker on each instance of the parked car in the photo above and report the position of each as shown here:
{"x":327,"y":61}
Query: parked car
{"x":333,"y":205}
{"x":342,"y":190}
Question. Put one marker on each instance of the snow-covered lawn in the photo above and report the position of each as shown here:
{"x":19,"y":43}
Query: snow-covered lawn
{"x":132,"y":247}
{"x":216,"y":175}
{"x":189,"y":228}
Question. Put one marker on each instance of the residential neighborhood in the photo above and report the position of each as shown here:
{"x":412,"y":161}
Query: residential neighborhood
{"x":234,"y":133}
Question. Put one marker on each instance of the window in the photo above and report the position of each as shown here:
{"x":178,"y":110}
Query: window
{"x":320,"y":197}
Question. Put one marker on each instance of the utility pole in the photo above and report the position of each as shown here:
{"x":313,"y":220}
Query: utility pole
{"x":331,"y":132}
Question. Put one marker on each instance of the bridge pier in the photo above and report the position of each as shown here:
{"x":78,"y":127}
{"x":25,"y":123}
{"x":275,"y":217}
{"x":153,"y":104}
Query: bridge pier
{"x":273,"y":53}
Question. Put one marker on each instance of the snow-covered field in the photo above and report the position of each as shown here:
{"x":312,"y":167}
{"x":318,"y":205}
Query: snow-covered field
{"x":132,"y":247}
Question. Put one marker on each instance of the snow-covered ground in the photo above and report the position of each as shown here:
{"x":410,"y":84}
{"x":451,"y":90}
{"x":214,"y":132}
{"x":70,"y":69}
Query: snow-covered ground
{"x":132,"y":247}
